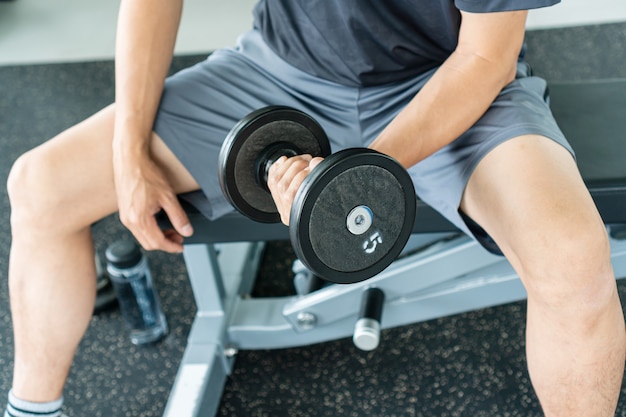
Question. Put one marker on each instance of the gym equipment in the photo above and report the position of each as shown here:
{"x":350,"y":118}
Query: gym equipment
{"x":367,"y":329}
{"x":456,"y":274}
{"x":351,"y":216}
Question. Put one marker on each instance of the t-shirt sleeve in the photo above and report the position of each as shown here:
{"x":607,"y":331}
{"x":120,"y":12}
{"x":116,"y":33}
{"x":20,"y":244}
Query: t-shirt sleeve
{"x":488,"y":6}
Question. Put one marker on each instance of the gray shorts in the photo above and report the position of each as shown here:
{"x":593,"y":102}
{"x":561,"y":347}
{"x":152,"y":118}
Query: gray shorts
{"x":202,"y":103}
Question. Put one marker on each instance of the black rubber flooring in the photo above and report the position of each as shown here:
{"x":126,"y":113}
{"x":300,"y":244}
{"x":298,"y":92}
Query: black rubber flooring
{"x":466,"y":365}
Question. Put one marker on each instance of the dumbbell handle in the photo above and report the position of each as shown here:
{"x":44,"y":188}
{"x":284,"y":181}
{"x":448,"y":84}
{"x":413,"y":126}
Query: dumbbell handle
{"x":367,"y":329}
{"x":268,"y":156}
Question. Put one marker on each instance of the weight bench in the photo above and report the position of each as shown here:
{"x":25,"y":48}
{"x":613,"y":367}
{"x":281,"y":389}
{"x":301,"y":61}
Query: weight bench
{"x":440,"y":272}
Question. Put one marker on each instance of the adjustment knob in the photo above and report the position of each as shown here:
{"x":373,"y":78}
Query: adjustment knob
{"x":367,"y":329}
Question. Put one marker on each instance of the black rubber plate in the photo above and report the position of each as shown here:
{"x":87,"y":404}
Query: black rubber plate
{"x":239,"y":155}
{"x":343,"y":181}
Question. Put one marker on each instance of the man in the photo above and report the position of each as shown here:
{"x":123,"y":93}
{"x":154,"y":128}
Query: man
{"x":438,"y":85}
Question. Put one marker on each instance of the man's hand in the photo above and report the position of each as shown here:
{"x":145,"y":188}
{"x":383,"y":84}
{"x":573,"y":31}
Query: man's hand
{"x":284,"y":179}
{"x":142,"y":191}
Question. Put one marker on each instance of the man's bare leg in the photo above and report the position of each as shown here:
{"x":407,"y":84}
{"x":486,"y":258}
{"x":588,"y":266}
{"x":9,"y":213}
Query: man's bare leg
{"x":529,"y":196}
{"x":57,"y":191}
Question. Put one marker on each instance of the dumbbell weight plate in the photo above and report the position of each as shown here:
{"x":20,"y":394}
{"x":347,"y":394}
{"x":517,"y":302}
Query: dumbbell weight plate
{"x":352,"y":179}
{"x":238,"y":159}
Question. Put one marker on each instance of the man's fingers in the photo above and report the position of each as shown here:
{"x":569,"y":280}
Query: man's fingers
{"x":315,"y":162}
{"x":284,"y":168}
{"x":150,"y":236}
{"x":285,"y":178}
{"x":178,"y":217}
{"x":174,"y":236}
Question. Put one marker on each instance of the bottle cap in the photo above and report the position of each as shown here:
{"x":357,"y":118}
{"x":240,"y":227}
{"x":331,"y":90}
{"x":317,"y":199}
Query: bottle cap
{"x":123,"y":254}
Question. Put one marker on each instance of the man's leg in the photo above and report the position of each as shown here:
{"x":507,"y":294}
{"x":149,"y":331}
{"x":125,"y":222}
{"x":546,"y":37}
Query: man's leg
{"x":57,"y":191}
{"x":528,"y":195}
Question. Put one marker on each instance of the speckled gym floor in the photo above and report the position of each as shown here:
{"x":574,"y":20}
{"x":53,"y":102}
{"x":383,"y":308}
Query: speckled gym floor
{"x":466,"y":365}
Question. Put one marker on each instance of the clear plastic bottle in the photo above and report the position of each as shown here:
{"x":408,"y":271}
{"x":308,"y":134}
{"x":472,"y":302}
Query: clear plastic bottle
{"x":139,"y":302}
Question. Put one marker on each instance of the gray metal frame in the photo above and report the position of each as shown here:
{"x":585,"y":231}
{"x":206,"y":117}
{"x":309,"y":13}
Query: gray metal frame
{"x":449,"y":274}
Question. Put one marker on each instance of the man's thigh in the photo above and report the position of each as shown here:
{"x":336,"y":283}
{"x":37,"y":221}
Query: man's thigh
{"x":529,"y":196}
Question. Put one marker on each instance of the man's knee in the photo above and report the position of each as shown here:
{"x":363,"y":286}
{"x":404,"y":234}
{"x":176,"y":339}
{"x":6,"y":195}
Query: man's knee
{"x":17,"y":181}
{"x":32,"y":194}
{"x":572,"y":269}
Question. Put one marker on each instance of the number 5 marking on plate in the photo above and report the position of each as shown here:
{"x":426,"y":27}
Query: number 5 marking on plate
{"x":369,"y":246}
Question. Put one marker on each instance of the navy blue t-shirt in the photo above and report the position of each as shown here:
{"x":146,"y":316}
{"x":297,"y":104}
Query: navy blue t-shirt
{"x":369,"y":42}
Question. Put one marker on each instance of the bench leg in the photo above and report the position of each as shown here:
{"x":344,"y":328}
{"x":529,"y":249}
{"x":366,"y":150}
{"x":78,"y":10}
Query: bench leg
{"x":218,"y":278}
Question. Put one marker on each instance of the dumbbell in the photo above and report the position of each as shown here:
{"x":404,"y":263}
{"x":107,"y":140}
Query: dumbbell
{"x":351,"y":216}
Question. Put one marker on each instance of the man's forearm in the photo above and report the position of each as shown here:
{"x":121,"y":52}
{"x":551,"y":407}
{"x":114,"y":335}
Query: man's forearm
{"x":461,"y":90}
{"x":146,"y":35}
{"x":455,"y":97}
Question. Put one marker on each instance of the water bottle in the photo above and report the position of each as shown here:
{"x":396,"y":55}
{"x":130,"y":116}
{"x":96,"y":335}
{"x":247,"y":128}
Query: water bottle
{"x":130,"y":274}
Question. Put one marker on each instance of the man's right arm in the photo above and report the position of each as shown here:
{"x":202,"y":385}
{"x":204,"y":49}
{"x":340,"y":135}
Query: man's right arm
{"x":146,"y":35}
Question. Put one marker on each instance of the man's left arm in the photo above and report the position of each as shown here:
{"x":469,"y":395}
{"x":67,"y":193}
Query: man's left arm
{"x":456,"y":96}
{"x":461,"y":90}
